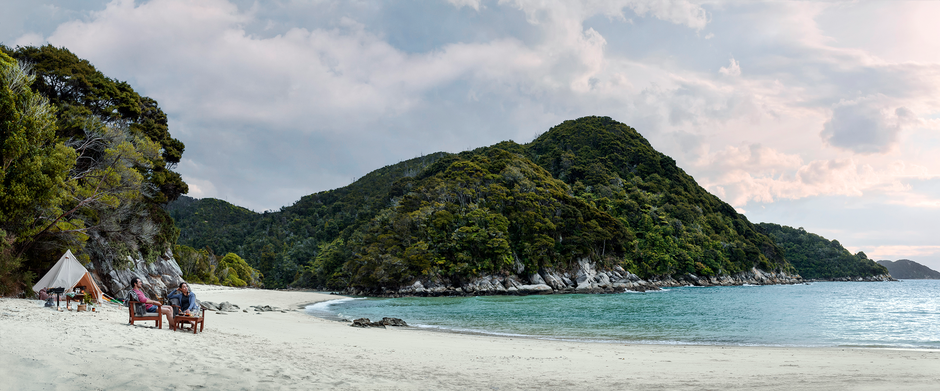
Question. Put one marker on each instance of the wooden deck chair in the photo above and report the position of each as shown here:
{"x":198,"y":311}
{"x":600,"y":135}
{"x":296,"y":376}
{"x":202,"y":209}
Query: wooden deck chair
{"x":137,"y":311}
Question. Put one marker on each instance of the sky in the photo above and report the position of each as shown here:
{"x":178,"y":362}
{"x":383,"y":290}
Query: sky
{"x":821,"y":115}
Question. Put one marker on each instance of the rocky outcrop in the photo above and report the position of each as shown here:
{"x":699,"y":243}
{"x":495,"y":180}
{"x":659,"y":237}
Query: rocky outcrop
{"x":365,"y":322}
{"x":584,"y":277}
{"x":878,"y":278}
{"x":159,"y":277}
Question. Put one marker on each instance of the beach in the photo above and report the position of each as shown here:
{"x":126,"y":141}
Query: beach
{"x":42,"y":349}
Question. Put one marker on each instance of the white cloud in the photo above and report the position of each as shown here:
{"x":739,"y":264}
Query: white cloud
{"x":755,"y":173}
{"x":675,"y":11}
{"x":913,"y":252}
{"x":475,"y":4}
{"x":733,"y":69}
{"x":680,"y":12}
{"x":866,"y":125}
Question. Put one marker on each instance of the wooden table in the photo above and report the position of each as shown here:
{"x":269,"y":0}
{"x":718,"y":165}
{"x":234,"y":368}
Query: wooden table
{"x":78,"y":298}
{"x":199,"y":321}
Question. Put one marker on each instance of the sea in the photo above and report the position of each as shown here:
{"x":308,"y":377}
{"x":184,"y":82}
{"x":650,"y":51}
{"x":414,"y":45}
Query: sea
{"x":902,"y":314}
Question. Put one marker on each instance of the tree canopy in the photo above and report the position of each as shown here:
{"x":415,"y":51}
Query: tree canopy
{"x":589,"y":188}
{"x":816,"y":257}
{"x":86,"y":165}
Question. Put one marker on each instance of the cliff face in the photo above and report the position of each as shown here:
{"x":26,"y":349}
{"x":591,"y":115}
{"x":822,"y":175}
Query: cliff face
{"x":584,"y":277}
{"x":909,"y":270}
{"x":159,"y":277}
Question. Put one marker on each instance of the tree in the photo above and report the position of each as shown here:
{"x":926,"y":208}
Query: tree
{"x":234,"y":271}
{"x":33,"y":163}
{"x":81,"y":91}
{"x":85,"y":163}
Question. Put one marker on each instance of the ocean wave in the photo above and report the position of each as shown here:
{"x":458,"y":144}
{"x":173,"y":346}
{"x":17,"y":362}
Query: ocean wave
{"x":324,"y":306}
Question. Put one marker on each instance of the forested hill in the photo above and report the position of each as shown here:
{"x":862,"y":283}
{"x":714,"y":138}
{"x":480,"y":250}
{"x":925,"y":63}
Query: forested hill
{"x":909,"y":270}
{"x":816,"y":257}
{"x":87,"y":164}
{"x":590,"y":189}
{"x":281,"y":243}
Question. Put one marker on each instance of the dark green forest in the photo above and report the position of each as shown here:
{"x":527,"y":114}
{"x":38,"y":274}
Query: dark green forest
{"x":588,"y":188}
{"x":87,"y":164}
{"x":816,"y":257}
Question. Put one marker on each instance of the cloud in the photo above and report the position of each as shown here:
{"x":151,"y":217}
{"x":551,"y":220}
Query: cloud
{"x":866,"y":125}
{"x":756,"y":173}
{"x":913,"y":252}
{"x":680,"y":12}
{"x":675,"y":11}
{"x":475,"y":4}
{"x":303,"y":97}
{"x":733,"y":69}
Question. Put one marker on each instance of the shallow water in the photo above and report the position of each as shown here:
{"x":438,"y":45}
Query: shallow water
{"x":877,"y":314}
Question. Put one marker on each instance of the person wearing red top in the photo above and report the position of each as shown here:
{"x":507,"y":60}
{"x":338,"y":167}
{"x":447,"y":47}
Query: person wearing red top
{"x":150,"y":304}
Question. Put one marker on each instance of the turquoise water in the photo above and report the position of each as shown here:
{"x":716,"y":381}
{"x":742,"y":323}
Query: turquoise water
{"x":876,"y":314}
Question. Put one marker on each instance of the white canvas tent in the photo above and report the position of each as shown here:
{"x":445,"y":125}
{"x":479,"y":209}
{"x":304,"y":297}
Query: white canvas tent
{"x":69,"y":273}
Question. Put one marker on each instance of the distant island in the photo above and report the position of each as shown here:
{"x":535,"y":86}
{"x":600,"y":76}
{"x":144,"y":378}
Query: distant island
{"x":909,"y":270}
{"x":817,"y":258}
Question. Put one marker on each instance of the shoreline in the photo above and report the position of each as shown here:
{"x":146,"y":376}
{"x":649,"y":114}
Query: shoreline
{"x":46,"y":349}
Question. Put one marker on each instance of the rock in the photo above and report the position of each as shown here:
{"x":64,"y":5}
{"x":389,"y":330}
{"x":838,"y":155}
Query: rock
{"x":517,"y":265}
{"x":536,"y":279}
{"x":418,"y":287}
{"x":535,"y":289}
{"x":553,"y":280}
{"x":365,"y":322}
{"x":511,"y":284}
{"x":159,"y":276}
{"x":228,"y":307}
{"x":394,"y":322}
{"x":602,"y":280}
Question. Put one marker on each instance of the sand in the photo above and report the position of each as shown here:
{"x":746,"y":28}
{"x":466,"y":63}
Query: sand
{"x":42,"y":349}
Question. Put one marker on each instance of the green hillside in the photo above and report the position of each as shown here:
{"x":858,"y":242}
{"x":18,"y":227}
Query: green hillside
{"x":815,"y":257}
{"x":590,"y":188}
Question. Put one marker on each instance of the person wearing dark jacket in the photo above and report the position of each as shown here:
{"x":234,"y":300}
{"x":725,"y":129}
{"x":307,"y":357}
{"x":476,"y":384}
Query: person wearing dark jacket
{"x":187,"y":298}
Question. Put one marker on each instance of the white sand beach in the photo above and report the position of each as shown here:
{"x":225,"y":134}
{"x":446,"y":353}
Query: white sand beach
{"x":42,"y":349}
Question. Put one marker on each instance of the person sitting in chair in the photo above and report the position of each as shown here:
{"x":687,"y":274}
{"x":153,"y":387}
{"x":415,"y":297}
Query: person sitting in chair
{"x":187,"y":299}
{"x":150,"y":304}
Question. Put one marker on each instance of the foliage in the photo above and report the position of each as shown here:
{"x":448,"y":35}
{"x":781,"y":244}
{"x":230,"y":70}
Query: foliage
{"x":591,"y":188}
{"x":478,"y":216}
{"x":234,"y":271}
{"x":11,"y":278}
{"x":33,"y":169}
{"x":81,"y":92}
{"x":198,"y":266}
{"x":203,"y":267}
{"x":680,"y":227}
{"x":815,"y":257}
{"x":86,"y":162}
{"x":34,"y":165}
{"x":284,"y":245}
